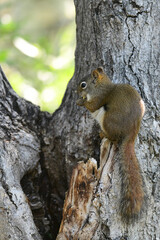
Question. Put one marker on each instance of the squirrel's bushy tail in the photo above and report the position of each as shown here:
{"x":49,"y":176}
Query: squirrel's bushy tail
{"x":132,"y":193}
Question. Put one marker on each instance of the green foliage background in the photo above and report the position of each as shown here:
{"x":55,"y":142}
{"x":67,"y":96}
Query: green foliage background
{"x":37,"y":43}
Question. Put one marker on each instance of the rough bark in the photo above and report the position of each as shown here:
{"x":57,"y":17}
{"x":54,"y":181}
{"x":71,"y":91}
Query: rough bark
{"x":39,"y":150}
{"x":87,"y":189}
{"x":19,"y":153}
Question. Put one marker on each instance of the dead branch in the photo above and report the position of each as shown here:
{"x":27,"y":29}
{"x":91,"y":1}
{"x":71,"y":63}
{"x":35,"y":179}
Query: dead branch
{"x":82,"y":202}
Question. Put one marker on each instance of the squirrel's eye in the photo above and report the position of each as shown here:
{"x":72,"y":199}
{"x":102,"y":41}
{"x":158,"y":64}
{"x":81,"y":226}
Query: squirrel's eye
{"x":83,"y":85}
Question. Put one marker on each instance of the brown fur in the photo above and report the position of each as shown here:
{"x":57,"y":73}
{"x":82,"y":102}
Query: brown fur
{"x":121,"y":112}
{"x":132,"y":193}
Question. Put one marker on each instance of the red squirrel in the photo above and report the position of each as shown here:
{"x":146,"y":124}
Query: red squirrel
{"x":119,"y":109}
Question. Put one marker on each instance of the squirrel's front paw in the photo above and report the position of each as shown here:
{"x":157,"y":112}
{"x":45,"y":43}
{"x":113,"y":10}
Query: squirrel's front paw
{"x":80,"y":101}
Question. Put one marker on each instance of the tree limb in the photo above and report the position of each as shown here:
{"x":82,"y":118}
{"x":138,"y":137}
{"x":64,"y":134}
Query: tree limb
{"x":83,"y":199}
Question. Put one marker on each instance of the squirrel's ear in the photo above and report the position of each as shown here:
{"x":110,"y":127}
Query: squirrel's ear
{"x":100,"y":70}
{"x":98,"y":73}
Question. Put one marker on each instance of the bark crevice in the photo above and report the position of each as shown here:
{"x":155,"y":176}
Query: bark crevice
{"x":40,"y":150}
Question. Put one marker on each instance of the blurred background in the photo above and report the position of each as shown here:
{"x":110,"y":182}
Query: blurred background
{"x":37,"y":44}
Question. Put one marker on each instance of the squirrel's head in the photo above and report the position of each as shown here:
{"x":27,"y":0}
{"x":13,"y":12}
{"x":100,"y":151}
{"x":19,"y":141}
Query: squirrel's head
{"x":89,"y":84}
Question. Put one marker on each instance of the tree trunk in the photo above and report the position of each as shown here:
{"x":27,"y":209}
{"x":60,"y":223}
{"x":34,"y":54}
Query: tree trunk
{"x":39,"y":150}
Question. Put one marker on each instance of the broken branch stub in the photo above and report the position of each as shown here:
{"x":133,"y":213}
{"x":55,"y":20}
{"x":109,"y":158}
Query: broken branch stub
{"x":82,"y":202}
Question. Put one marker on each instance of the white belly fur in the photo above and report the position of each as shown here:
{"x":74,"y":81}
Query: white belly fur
{"x":99,"y":116}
